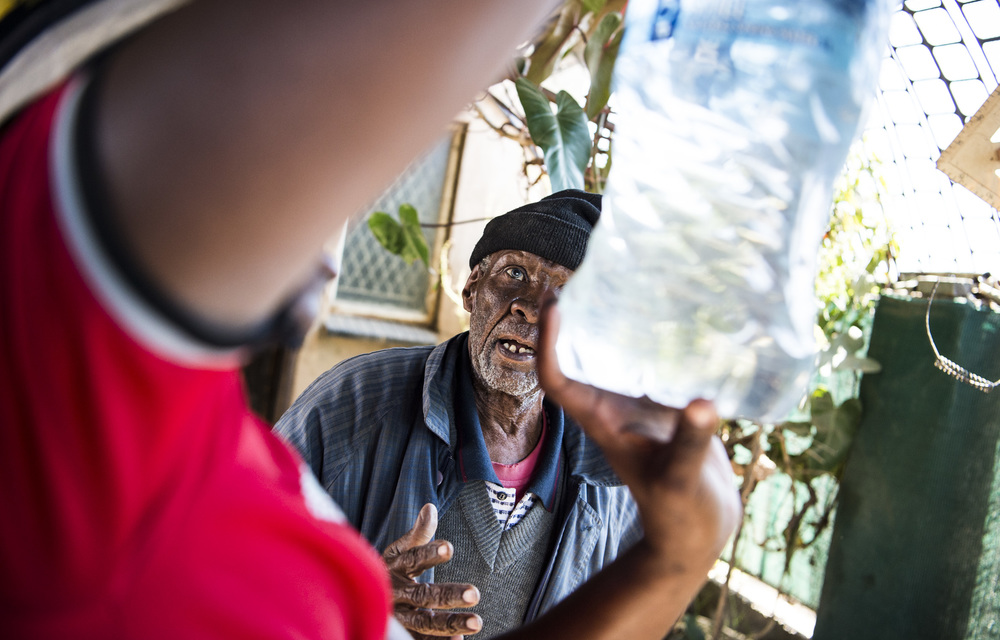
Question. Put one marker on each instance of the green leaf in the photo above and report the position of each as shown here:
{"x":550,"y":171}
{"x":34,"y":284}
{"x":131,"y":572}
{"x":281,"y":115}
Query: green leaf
{"x":415,"y":245}
{"x":405,"y":240}
{"x":600,"y":56}
{"x":593,"y":6}
{"x":387,"y":231}
{"x":572,"y":156}
{"x":563,"y":136}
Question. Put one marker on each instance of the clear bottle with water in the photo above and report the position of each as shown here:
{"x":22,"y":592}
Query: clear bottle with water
{"x":734,"y":117}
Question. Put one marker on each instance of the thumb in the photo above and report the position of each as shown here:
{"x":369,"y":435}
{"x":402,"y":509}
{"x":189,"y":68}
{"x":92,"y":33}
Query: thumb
{"x":422,"y":532}
{"x":426,"y":525}
{"x":697,"y":425}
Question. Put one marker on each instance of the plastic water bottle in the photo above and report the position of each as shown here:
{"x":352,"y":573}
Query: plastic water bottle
{"x":734,"y":117}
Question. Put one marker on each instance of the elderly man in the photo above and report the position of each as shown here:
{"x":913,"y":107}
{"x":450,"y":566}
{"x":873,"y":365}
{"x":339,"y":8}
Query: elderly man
{"x":529,"y":503}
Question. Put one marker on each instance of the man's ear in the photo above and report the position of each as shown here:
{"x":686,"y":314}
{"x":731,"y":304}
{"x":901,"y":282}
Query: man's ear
{"x":468,"y":295}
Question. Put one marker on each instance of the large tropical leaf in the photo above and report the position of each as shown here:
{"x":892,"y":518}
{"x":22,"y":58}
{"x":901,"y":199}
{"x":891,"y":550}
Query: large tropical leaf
{"x":563,"y":135}
{"x":600,"y":56}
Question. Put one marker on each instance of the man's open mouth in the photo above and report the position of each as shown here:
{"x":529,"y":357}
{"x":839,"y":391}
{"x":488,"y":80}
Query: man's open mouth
{"x":516,"y":348}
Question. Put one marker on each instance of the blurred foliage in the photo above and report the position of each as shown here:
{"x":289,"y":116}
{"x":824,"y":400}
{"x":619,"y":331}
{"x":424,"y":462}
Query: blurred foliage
{"x":856,"y":256}
{"x":856,"y":261}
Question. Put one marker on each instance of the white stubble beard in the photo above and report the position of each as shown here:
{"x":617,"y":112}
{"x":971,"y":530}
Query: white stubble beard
{"x":497,"y":378}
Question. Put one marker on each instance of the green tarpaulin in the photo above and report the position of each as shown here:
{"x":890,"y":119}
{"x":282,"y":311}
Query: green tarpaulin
{"x":916,"y":545}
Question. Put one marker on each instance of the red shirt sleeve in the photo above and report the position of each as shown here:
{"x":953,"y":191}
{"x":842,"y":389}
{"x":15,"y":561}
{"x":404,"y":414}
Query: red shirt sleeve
{"x":140,"y":497}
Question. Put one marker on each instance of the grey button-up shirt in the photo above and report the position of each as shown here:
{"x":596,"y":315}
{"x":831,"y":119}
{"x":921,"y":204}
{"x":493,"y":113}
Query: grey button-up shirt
{"x":379,"y":431}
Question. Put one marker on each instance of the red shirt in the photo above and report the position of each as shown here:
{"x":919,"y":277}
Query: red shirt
{"x":139,"y":497}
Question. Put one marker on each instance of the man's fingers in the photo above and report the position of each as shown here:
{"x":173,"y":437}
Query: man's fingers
{"x":448,"y":595}
{"x":412,"y":562}
{"x":438,"y":623}
{"x":692,"y":440}
{"x":422,"y":532}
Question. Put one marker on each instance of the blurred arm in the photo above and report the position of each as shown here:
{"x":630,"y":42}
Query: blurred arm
{"x":236,"y":135}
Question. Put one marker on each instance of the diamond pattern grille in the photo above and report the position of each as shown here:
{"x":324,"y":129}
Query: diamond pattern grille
{"x":372,"y":275}
{"x":940,"y":68}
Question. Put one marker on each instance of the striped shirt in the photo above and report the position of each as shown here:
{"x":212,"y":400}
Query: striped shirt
{"x":502,"y":498}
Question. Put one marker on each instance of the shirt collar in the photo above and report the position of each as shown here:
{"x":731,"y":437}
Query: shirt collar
{"x":439,"y":387}
{"x":473,"y":459}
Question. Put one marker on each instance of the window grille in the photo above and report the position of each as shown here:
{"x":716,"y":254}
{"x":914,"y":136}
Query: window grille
{"x":939,"y":70}
{"x":373,"y":277}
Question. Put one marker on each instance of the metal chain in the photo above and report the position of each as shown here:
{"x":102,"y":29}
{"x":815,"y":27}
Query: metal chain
{"x":950,"y":367}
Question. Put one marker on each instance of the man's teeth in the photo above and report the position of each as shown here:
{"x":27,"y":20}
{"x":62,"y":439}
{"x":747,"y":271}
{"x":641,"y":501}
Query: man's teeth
{"x":513,"y":348}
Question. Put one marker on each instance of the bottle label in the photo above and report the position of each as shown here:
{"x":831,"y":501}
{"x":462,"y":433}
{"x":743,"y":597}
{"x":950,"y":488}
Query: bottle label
{"x":665,"y":19}
{"x":726,"y":20}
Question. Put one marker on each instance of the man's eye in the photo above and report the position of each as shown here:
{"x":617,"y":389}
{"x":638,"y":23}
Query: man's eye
{"x":516,"y":272}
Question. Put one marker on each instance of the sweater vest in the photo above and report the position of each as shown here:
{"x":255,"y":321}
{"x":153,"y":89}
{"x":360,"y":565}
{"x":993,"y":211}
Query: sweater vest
{"x":504,"y":565}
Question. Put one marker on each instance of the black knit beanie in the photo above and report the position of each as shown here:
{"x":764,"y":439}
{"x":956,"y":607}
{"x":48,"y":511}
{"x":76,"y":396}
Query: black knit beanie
{"x":556,"y":228}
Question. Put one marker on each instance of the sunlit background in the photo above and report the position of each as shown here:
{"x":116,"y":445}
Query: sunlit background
{"x":940,"y":68}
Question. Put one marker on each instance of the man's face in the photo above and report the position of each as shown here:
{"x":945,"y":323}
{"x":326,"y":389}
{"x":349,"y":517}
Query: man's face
{"x":503,"y":299}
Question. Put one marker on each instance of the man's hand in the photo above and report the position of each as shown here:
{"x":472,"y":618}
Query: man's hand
{"x":417,"y":604}
{"x":675,"y":467}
